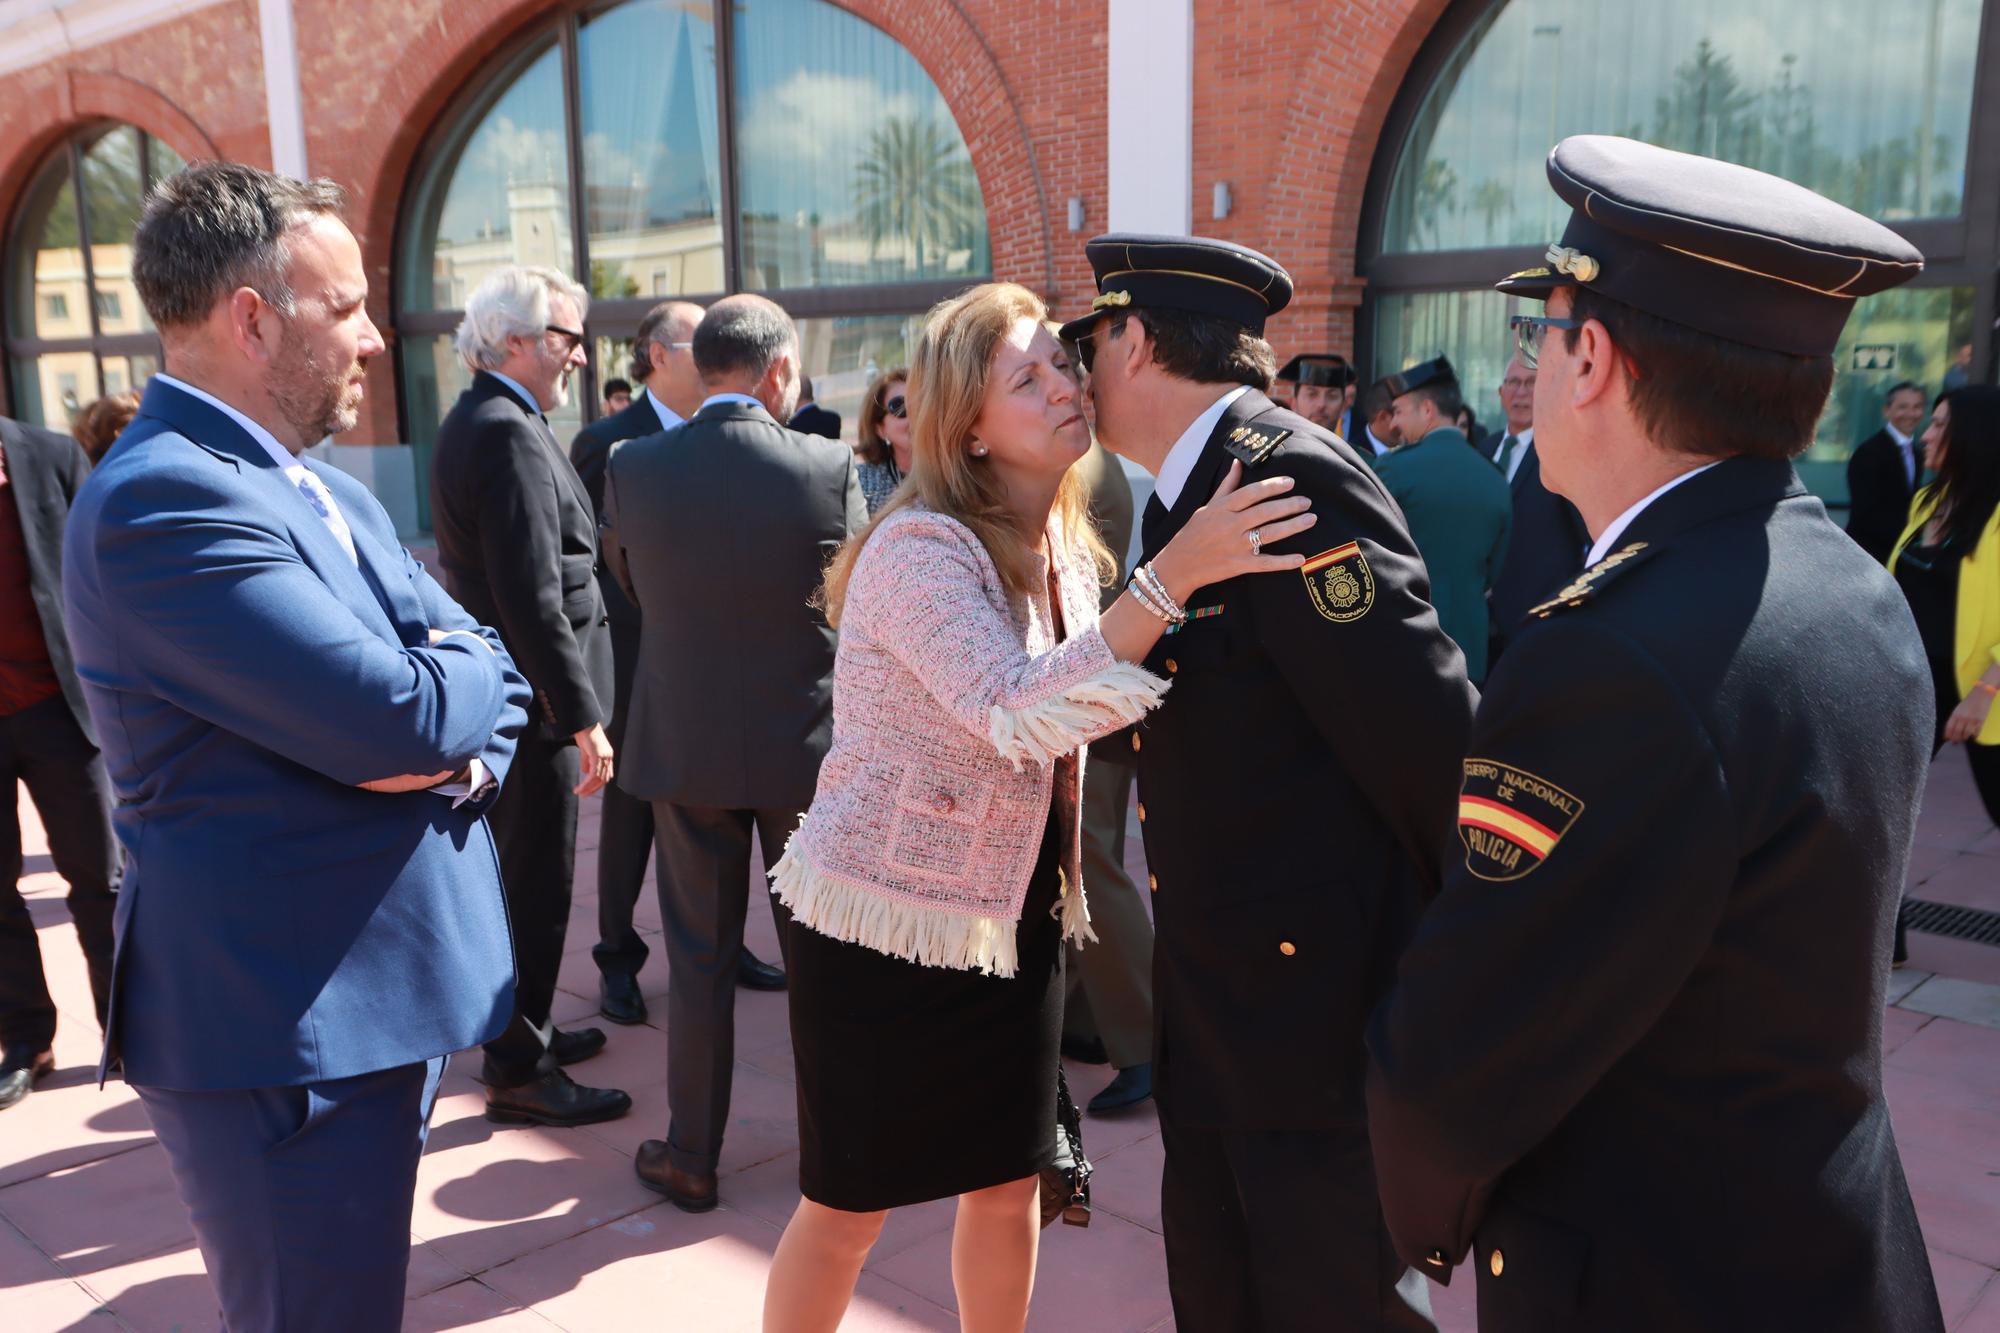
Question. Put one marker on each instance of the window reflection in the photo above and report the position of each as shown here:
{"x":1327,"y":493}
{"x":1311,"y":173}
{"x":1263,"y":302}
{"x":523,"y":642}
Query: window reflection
{"x":506,"y":191}
{"x":843,"y":356}
{"x":113,"y":193}
{"x":852,"y":168}
{"x":1869,"y":104}
{"x":651,"y":167}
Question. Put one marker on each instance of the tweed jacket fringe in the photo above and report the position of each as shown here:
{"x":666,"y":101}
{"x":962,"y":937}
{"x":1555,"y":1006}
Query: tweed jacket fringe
{"x":957,"y":718}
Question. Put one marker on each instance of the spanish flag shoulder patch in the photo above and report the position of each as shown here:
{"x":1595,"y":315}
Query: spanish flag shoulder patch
{"x":1339,"y":583}
{"x":1510,"y":820}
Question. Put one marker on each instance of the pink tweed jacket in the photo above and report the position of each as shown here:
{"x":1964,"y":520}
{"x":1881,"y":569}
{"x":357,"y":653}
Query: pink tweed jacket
{"x":956,"y":720}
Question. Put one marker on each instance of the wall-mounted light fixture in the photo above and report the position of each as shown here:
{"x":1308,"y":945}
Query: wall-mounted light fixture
{"x":1222,"y":200}
{"x":1076,"y":212}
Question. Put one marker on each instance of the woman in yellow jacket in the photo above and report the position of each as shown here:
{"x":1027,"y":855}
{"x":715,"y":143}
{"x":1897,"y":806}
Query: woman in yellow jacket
{"x":1948,"y":563}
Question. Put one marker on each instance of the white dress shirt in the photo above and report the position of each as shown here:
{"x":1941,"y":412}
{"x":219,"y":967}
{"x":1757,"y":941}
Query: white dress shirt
{"x":668,"y":417}
{"x":1373,"y":443}
{"x":1602,"y":546}
{"x":1180,"y":459}
{"x":1525,"y":438}
{"x":715,"y":398}
{"x":1907,"y":446}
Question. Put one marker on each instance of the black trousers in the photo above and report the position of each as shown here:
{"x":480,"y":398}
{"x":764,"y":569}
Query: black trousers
{"x":704,"y":886}
{"x":624,"y":824}
{"x":43,"y":747}
{"x":534,"y":830}
{"x":1270,"y":1232}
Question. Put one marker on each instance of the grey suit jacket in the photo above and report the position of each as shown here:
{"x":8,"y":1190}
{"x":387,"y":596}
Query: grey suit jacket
{"x":44,"y":470}
{"x":718,"y":530}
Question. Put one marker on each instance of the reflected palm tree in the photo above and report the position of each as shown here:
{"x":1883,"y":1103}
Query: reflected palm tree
{"x":915,"y":182}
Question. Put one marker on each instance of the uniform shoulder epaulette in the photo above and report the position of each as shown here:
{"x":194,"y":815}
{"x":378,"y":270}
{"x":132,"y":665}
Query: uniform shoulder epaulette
{"x":1594,"y":580}
{"x":1253,"y":442}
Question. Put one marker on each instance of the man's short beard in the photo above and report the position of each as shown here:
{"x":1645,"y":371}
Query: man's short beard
{"x":310,"y":396}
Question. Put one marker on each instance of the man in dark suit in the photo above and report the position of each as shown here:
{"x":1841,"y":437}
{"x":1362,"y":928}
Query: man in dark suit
{"x":1607,"y":1067}
{"x":47,"y":742}
{"x":718,"y":530}
{"x":1883,"y":471}
{"x":809,"y":418}
{"x":517,"y":538}
{"x":1294,"y":791}
{"x":1546,"y":545}
{"x":1375,"y":409}
{"x":304,"y":732}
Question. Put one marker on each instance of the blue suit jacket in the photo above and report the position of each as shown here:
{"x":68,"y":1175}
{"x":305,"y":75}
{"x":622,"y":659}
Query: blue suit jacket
{"x":277,"y":923}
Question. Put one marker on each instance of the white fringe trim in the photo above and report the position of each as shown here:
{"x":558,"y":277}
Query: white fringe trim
{"x":1073,"y":910}
{"x":1045,"y":732}
{"x":928,"y":935}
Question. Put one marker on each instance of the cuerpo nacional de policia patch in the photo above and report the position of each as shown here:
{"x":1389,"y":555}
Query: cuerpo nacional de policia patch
{"x":1341,"y":585}
{"x":1509,"y":819}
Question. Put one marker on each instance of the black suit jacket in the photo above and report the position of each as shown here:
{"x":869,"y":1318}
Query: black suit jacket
{"x":517,"y":539}
{"x":1544,"y":552}
{"x":1638,"y":1036}
{"x":812,"y":419}
{"x":718,"y":530}
{"x":44,"y":470}
{"x":1879,"y":493}
{"x":589,"y":452}
{"x":1295,"y":788}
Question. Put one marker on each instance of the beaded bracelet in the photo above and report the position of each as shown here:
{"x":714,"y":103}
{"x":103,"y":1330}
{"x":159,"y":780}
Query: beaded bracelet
{"x":1139,"y":596}
{"x":1982,"y":685}
{"x":1158,"y":589}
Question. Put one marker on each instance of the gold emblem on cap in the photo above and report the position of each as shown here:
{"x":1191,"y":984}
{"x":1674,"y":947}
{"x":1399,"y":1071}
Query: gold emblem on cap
{"x":1565,"y":259}
{"x":1110,"y":299}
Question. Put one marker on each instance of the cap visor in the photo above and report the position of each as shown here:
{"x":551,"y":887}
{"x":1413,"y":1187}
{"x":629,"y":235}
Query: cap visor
{"x":1076,"y":328}
{"x":1537,"y":282}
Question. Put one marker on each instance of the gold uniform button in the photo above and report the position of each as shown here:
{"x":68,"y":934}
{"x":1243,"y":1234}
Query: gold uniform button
{"x":1142,"y":812}
{"x":1435,"y":1259}
{"x":1172,"y":666}
{"x":1498,"y":1264}
{"x":1135,"y":742}
{"x":1153,"y":883}
{"x":1287,"y":948}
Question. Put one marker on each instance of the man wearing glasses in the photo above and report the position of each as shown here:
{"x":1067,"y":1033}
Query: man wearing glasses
{"x":517,"y":539}
{"x":1632,"y":1060}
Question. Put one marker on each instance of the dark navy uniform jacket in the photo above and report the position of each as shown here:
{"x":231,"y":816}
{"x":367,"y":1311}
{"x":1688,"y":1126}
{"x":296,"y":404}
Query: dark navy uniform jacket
{"x":1632,"y":1059}
{"x":1296,"y":788}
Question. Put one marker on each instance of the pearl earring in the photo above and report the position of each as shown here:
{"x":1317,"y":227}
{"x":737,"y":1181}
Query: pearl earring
{"x":979,"y":451}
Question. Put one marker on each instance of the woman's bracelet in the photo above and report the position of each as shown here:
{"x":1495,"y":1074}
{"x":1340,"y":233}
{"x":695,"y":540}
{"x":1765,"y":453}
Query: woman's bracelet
{"x":1151,"y":578}
{"x":1982,"y":685}
{"x":1139,"y":596}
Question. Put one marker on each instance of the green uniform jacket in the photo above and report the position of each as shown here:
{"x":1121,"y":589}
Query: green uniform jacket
{"x":1459,"y":510}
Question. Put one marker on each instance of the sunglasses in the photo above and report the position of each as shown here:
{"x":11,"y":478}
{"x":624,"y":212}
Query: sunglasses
{"x":571,"y":338}
{"x":1086,"y":350}
{"x":1530,"y":330}
{"x":897,"y":407}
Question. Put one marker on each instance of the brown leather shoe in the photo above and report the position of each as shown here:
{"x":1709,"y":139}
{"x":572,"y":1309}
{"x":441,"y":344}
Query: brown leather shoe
{"x":557,"y":1100}
{"x":690,"y":1193}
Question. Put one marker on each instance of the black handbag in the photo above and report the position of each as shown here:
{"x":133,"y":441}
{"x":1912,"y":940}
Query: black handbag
{"x":1066,"y":1181}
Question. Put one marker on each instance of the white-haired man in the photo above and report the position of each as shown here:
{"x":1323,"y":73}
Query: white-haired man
{"x":517,"y":538}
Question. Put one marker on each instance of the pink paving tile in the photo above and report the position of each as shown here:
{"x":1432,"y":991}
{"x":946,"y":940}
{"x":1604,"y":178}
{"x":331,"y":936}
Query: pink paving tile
{"x":1984,"y":1317}
{"x":1126,"y":1183}
{"x":429,"y":1270}
{"x":1958,"y":1204}
{"x":1955,"y":958}
{"x":880,"y":1306}
{"x":470,"y":1304}
{"x":1898,"y":1026}
{"x":1945,"y":1115}
{"x":488,"y":1193}
{"x":55,"y":1304}
{"x":697,"y":1271}
{"x":1926,"y":860}
{"x":1968,"y":879}
{"x":1960,"y":1052}
{"x":1959,"y":1284}
{"x":774,"y":1059}
{"x":770,"y":1191}
{"x":96,"y":1216}
{"x":168,"y":1293}
{"x":21,"y":1262}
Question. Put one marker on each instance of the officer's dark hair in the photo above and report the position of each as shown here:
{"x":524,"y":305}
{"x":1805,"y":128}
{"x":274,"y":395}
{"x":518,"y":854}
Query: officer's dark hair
{"x":1969,"y":473}
{"x":742,"y":335}
{"x":1902,"y":386}
{"x":1204,"y":348}
{"x":214,"y":227}
{"x":1372,"y":402}
{"x":1699,"y":394}
{"x":1445,"y":395}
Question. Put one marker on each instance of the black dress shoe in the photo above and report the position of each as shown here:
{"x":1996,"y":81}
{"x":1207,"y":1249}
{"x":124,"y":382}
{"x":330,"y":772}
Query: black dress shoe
{"x":689,"y":1192}
{"x":570,"y":1047}
{"x":19,"y":1075}
{"x":1085,"y":1050}
{"x":1129,"y":1089}
{"x":620,"y":1001}
{"x":555,"y":1099}
{"x":754,"y":974}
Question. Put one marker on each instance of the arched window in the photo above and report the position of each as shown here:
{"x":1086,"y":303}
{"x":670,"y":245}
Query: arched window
{"x":673,"y":148}
{"x":1872,"y":105}
{"x":75,"y":329}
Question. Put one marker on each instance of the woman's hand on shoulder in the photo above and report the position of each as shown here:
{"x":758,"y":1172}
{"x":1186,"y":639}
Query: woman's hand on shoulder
{"x":1216,"y":544}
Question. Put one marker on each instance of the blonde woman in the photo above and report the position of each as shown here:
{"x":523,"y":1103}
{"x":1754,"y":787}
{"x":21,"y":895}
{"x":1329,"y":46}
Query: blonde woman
{"x":883,"y":447}
{"x":935,"y":878}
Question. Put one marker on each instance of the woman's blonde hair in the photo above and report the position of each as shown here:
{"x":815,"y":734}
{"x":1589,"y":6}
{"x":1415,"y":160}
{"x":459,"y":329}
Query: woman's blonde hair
{"x":946,"y":390}
{"x":868,"y":439}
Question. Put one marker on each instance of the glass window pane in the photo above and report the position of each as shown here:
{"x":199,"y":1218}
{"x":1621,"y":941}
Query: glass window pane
{"x":499,"y":192}
{"x":49,"y":390}
{"x":843,"y":355}
{"x":45,"y":276}
{"x":652,"y":165}
{"x":128,"y":373}
{"x":611,"y":358}
{"x":433,"y":378}
{"x":112,"y":196}
{"x":1468,"y":327}
{"x":851,"y":168}
{"x":1869,"y":104}
{"x":161,"y":162}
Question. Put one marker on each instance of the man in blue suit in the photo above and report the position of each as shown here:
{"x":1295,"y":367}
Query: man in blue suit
{"x":304,"y":732}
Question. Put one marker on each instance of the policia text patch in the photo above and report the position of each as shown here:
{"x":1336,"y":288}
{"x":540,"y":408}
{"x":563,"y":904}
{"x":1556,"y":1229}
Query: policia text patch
{"x":1509,"y":819}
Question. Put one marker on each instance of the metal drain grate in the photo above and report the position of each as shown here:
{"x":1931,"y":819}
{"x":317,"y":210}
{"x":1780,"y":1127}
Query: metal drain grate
{"x":1952,"y":921}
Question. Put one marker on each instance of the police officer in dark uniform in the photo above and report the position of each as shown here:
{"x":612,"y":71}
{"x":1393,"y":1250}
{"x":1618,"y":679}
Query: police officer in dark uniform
{"x":1295,"y":791}
{"x":1632,"y":1060}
